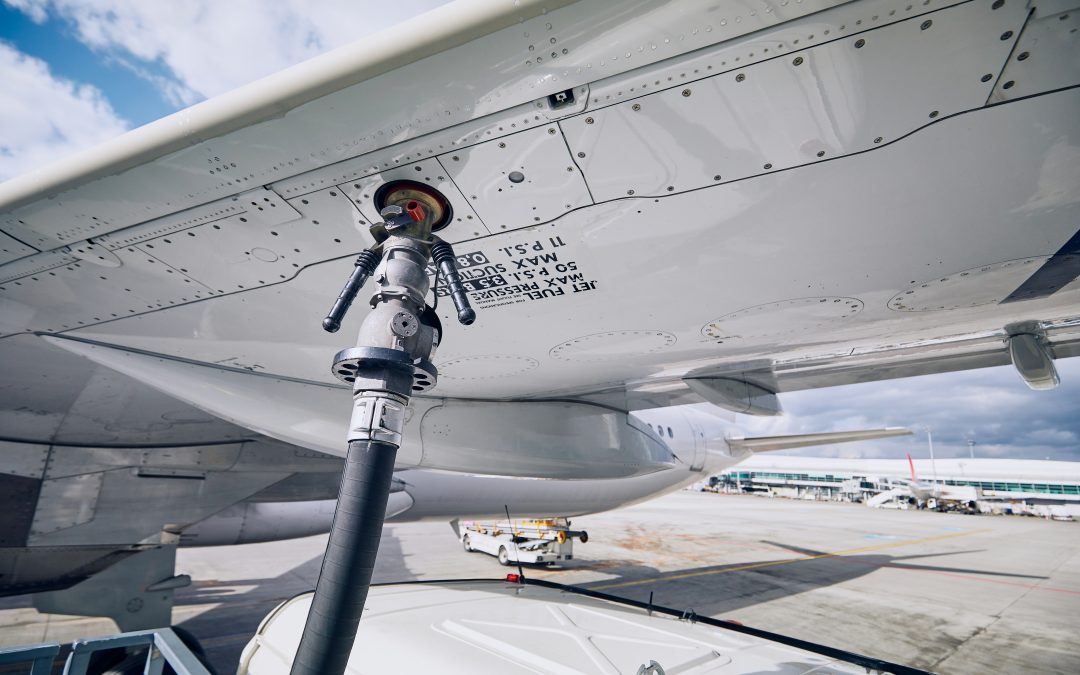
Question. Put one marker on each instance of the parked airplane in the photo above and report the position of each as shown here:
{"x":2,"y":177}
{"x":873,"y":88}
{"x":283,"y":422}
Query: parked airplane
{"x":652,"y":204}
{"x":697,"y":438}
{"x":109,"y":550}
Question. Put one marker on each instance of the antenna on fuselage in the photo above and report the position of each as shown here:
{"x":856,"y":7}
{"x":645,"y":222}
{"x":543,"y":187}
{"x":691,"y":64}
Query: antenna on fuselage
{"x":521,"y":572}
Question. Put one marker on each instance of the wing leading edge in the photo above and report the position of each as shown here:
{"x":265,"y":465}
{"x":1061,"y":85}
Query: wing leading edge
{"x":770,"y":443}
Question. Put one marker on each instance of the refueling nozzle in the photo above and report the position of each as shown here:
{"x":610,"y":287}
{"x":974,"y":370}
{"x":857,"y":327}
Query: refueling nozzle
{"x":402,"y":220}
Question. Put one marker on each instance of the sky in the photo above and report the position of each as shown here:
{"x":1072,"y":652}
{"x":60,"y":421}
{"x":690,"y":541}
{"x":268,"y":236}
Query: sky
{"x":74,"y":73}
{"x":991,"y":406}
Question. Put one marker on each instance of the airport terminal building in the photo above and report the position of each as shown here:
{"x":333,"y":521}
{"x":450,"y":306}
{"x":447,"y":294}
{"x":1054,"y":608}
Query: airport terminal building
{"x":989,"y":481}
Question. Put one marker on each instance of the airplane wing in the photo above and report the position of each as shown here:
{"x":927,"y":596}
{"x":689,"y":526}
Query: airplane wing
{"x":769,"y":443}
{"x":827,"y":193}
{"x":703,"y":204}
{"x":652,"y":203}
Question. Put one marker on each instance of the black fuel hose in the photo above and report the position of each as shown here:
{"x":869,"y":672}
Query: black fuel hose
{"x":349,"y":561}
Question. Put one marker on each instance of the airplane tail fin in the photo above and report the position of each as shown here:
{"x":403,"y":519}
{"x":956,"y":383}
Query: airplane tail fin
{"x":914,"y":480}
{"x":769,"y":443}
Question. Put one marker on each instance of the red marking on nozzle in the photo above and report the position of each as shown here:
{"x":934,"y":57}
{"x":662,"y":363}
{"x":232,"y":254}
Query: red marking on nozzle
{"x":415,"y":210}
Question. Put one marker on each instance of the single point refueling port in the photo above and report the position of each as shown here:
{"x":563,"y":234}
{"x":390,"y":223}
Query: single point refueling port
{"x":416,"y":197}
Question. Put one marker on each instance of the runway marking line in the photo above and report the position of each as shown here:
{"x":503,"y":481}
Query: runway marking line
{"x":771,"y":563}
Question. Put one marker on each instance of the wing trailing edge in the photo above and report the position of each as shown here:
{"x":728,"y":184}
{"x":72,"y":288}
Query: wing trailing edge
{"x":769,"y":443}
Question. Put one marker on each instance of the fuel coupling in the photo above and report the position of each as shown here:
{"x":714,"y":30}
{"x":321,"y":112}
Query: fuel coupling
{"x":400,"y":319}
{"x":390,"y":362}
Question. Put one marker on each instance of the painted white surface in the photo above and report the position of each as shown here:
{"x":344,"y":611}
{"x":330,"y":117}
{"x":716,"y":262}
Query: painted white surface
{"x":501,"y":627}
{"x":884,"y":252}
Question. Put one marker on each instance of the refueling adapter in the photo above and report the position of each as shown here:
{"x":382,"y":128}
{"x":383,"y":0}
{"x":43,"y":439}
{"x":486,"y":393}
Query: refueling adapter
{"x":390,"y":362}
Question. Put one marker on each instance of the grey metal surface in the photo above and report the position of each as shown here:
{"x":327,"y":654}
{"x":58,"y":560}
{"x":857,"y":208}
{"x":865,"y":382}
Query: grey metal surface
{"x":18,"y":499}
{"x":37,"y":569}
{"x":136,"y":592}
{"x":47,"y":394}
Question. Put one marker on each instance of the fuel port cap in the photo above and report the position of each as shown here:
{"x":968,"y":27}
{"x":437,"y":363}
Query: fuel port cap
{"x":437,"y":209}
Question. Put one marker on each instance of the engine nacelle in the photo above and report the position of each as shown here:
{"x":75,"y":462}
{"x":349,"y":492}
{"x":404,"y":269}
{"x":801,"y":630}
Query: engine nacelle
{"x":254,"y":522}
{"x":534,"y":439}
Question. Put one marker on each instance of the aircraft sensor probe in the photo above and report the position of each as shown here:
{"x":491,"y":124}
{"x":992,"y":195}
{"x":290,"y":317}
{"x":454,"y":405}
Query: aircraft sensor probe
{"x":390,"y":363}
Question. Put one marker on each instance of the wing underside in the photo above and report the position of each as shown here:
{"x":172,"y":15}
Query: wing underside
{"x":828,"y":194}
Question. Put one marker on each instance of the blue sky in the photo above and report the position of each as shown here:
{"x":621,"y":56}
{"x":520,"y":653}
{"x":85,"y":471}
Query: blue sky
{"x":78,"y":72}
{"x":135,"y":98}
{"x":75,"y":73}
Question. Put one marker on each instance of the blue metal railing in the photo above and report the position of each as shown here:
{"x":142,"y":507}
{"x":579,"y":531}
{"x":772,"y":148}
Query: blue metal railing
{"x":163,"y":646}
{"x":41,"y":656}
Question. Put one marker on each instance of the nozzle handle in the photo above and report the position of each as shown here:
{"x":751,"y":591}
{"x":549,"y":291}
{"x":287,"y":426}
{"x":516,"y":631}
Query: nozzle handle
{"x":365,"y":265}
{"x":443,"y":255}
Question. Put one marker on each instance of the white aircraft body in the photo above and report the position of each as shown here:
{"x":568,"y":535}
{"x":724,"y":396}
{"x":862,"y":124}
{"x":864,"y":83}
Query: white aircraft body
{"x":652,"y":204}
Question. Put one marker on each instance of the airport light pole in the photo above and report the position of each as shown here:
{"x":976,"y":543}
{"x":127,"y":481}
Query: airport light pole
{"x":391,"y":362}
{"x":933,"y":465}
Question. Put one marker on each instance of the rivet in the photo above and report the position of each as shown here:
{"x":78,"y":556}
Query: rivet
{"x":551,"y":131}
{"x":933,"y":114}
{"x":740,"y":77}
{"x":997,"y":4}
{"x":685,"y":92}
{"x":797,"y":61}
{"x":588,"y":120}
{"x":1023,"y":56}
{"x":768,"y":166}
{"x":1006,"y":35}
{"x":635,"y":107}
{"x":926,"y":24}
{"x":716,"y":177}
{"x":671,"y":188}
{"x":1008,"y":85}
{"x":629,"y":192}
{"x":859,"y":43}
{"x":821,"y":153}
{"x":581,"y":154}
{"x":878,"y":139}
{"x":502,"y":145}
{"x":987,"y":77}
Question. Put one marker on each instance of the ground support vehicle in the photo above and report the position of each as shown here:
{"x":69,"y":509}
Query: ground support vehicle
{"x":542,"y":542}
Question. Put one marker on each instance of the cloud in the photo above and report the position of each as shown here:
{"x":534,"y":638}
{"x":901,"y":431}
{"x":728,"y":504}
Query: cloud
{"x":992,"y":407}
{"x":48,"y":117}
{"x":207,"y":47}
{"x":32,"y":9}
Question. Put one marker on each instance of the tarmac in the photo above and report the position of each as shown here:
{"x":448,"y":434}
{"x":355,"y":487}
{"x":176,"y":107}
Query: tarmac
{"x":947,"y":593}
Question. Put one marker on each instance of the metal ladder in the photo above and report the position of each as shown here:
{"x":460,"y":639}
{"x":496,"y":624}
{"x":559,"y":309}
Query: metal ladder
{"x":163,"y":646}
